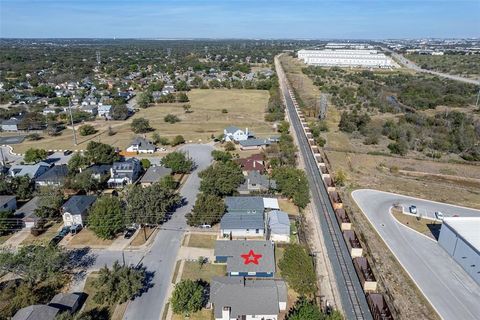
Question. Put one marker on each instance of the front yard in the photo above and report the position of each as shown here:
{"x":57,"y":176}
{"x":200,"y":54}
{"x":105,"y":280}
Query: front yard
{"x":193,"y":271}
{"x":45,"y":237}
{"x":206,"y":241}
{"x":86,"y":238}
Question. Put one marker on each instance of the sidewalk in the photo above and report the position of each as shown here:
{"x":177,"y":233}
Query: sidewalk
{"x":17,"y":238}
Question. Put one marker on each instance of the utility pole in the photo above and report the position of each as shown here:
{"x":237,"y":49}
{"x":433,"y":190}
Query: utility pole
{"x":71,"y":118}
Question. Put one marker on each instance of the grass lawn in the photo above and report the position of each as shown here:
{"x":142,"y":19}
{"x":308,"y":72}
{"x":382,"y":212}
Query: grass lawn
{"x":424,"y":226}
{"x":5,"y":238}
{"x":45,"y":237}
{"x":175,"y":272}
{"x":192,"y":271}
{"x":140,"y":237}
{"x":90,"y":304}
{"x":246,"y":108}
{"x":279,"y":251}
{"x":86,"y":237}
{"x":204,"y":314}
{"x":206,"y":241}
{"x":288,"y":206}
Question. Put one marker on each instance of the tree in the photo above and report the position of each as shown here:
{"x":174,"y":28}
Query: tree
{"x":33,"y":155}
{"x":296,"y":257}
{"x":182,"y":86}
{"x":292,"y":183}
{"x":187,"y":108}
{"x":145,"y":164}
{"x":106,"y":218}
{"x":144,"y":99}
{"x":22,"y":187}
{"x":178,"y":140}
{"x":305,"y":309}
{"x":157,"y":139}
{"x":187,"y":297}
{"x":171,"y":118}
{"x":49,"y":203}
{"x":119,"y":112}
{"x":85,"y":182}
{"x":118,"y":284}
{"x":151,"y":204}
{"x":86,"y":130}
{"x":76,"y":162}
{"x":229,"y":146}
{"x":7,"y":222}
{"x":208,"y":209}
{"x":34,"y":263}
{"x":100,"y":153}
{"x":221,"y":179}
{"x":340,"y":178}
{"x":221,"y":156}
{"x":178,"y":162}
{"x":283,"y":127}
{"x":182,"y":97}
{"x":140,"y":125}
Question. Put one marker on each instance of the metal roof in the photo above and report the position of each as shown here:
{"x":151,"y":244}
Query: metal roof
{"x":466,"y":227}
{"x":247,"y":296}
{"x":234,"y":249}
{"x":244,"y":204}
{"x":242,"y":220}
{"x":254,"y":142}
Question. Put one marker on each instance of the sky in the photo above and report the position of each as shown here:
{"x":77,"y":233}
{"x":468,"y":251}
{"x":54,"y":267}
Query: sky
{"x":266,"y":19}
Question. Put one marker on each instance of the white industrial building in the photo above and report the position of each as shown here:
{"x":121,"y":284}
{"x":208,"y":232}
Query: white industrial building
{"x":346,"y":58}
{"x":460,"y":237}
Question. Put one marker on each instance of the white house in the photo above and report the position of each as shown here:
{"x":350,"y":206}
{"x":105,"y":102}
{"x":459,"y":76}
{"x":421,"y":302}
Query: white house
{"x":141,"y":145}
{"x":235,"y":134}
{"x":75,"y":210}
{"x":104,"y":110}
{"x":279,"y":226}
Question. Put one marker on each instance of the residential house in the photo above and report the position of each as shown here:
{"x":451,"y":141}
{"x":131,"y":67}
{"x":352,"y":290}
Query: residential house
{"x":255,"y":181}
{"x":244,"y":217}
{"x":168,"y":89}
{"x":54,"y":177}
{"x":252,"y":258}
{"x":124,"y":172}
{"x":90,"y":101}
{"x":235,"y":298}
{"x":157,"y":95}
{"x":66,"y":302}
{"x":75,"y":210}
{"x":99,"y":171}
{"x":104,"y":111}
{"x":255,"y":162}
{"x":27,"y":213}
{"x":141,"y":145}
{"x":91,"y":109}
{"x":154,"y":174}
{"x":36,"y":312}
{"x":278,"y":226}
{"x":10,"y":125}
{"x":30,"y":170}
{"x":49,"y":110}
{"x":235,"y":134}
{"x":8,"y":203}
{"x":254,"y":144}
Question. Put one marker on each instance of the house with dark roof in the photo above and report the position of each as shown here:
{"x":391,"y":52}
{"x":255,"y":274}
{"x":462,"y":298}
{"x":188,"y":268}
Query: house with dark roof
{"x":36,"y":312}
{"x":141,"y":145}
{"x":75,"y":210}
{"x":254,"y":144}
{"x":99,"y":171}
{"x":31,"y":170}
{"x":66,"y":302}
{"x":8,"y":203}
{"x":255,"y":181}
{"x":10,"y":124}
{"x":124,"y":172}
{"x":27,"y":213}
{"x":238,"y":298}
{"x":278,"y":226}
{"x":244,"y":217}
{"x":252,"y":258}
{"x":54,"y":177}
{"x":255,"y":162}
{"x":154,"y":174}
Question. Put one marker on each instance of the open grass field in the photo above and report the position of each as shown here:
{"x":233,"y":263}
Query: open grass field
{"x":206,"y":241}
{"x":45,"y":237}
{"x":192,"y":271}
{"x":246,"y":108}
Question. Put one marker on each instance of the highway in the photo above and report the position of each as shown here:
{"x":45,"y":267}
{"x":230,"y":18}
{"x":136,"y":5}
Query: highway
{"x":450,"y":290}
{"x":351,"y":294}
{"x":411,"y":65}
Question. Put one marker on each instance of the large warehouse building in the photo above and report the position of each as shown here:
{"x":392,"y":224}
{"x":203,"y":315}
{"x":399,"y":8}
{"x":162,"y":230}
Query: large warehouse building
{"x":460,"y":237}
{"x":346,"y":58}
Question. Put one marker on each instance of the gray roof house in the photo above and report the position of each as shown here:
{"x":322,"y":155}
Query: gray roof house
{"x":99,"y":170}
{"x":124,"y":172}
{"x":279,"y":226}
{"x":54,"y":177}
{"x":154,"y":174}
{"x":255,"y":181}
{"x":238,"y":298}
{"x":244,"y":217}
{"x":141,"y":145}
{"x":76,"y":209}
{"x":36,"y":312}
{"x":66,"y":302}
{"x":233,"y":133}
{"x":252,"y":258}
{"x":31,"y":170}
{"x":10,"y":124}
{"x":8,"y":203}
{"x":252,"y":144}
{"x":27,"y":213}
{"x":244,"y":204}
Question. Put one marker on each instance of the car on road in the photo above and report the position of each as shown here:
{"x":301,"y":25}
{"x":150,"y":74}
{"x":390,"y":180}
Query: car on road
{"x":413,"y":209}
{"x":129,"y":233}
{"x":439,"y":215}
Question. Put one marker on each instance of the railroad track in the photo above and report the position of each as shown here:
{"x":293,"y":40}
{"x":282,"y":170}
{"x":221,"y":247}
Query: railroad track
{"x":351,"y":293}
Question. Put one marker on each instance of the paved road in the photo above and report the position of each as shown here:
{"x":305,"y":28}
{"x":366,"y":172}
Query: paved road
{"x":411,"y":65}
{"x":445,"y":284}
{"x":162,"y":255}
{"x":8,"y":157}
{"x":353,"y":300}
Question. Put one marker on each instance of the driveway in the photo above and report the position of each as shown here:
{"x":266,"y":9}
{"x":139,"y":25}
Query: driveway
{"x":443,"y":282}
{"x":161,"y":257}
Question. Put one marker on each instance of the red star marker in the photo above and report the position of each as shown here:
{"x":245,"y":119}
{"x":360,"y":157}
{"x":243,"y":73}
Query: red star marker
{"x":251,"y":257}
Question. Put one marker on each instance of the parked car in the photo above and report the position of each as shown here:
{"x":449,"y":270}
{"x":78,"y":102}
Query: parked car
{"x":65,"y":230}
{"x":129,"y":233}
{"x":55,"y":240}
{"x":439,"y":215}
{"x":75,"y":228}
{"x":413,"y":209}
{"x":205,"y":226}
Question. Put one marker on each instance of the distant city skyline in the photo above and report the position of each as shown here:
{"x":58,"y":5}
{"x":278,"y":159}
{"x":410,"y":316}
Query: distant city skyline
{"x":342,"y":19}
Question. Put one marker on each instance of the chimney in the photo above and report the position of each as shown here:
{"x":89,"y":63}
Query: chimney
{"x":226,"y":313}
{"x":246,"y":131}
